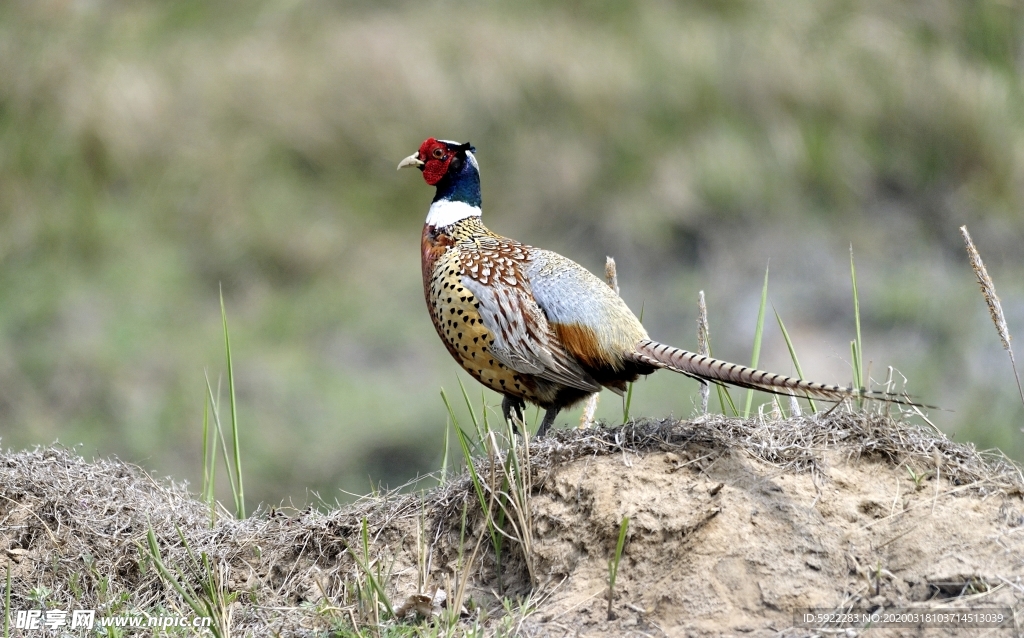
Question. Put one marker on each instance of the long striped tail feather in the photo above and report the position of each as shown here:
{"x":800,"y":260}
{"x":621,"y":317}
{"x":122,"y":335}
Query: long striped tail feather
{"x":704,"y":368}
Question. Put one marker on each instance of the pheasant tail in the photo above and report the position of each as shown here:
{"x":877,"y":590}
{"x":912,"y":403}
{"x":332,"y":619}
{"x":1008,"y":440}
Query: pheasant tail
{"x":705,"y":368}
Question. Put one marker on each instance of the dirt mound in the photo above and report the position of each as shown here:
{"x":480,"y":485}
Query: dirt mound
{"x":725,"y":542}
{"x":734,"y":526}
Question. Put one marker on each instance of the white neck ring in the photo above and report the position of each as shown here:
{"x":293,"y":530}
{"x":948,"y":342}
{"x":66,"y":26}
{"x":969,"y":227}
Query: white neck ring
{"x":445,"y":212}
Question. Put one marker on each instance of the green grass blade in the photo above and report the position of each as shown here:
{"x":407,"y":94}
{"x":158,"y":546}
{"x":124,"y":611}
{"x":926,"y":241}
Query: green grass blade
{"x":613,"y":563}
{"x":623,"y":527}
{"x":204,"y":606}
{"x":171,"y":579}
{"x":467,"y":455}
{"x":757,"y":340}
{"x":444,"y":458}
{"x":240,"y":494}
{"x":206,"y":450}
{"x":478,"y":487}
{"x":725,"y":399}
{"x":483,"y":410}
{"x":209,"y":462}
{"x":220,"y":433}
{"x":778,"y":404}
{"x":856,"y":361}
{"x":370,"y":576}
{"x":472,"y":412}
{"x":188,"y":548}
{"x":858,"y":357}
{"x":451,"y":413}
{"x":792,"y":354}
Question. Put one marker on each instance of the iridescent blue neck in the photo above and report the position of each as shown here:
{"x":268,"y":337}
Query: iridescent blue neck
{"x":461,"y":183}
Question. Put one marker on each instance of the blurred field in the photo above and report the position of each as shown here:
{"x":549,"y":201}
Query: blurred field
{"x":151,"y":152}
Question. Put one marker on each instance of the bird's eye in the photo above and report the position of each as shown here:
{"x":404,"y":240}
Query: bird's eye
{"x":438,"y":153}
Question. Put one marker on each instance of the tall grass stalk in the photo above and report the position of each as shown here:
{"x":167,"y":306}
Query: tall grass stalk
{"x":626,"y":403}
{"x":478,"y":485}
{"x":724,"y":398}
{"x":209,"y":463}
{"x":757,"y":339}
{"x":463,"y":571}
{"x":517,"y":486}
{"x":215,"y":406}
{"x":483,"y":402}
{"x":378,"y":594}
{"x":857,"y":346}
{"x":995,"y":307}
{"x":240,"y":494}
{"x":480,"y":430}
{"x":703,"y":347}
{"x":792,"y":354}
{"x":444,"y":458}
{"x":504,"y":496}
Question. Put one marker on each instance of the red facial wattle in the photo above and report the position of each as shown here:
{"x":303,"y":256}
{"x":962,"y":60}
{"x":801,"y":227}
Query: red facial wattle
{"x":434,"y":167}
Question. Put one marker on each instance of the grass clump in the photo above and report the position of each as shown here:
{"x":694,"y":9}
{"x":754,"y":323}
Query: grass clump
{"x":372,"y":596}
{"x":212,"y":601}
{"x":232,"y":464}
{"x":504,"y":492}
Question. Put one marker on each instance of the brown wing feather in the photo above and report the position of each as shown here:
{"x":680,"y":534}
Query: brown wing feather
{"x":523,"y":338}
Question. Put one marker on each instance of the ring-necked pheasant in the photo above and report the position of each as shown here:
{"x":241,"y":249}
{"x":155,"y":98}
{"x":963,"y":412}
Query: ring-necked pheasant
{"x":534,"y":325}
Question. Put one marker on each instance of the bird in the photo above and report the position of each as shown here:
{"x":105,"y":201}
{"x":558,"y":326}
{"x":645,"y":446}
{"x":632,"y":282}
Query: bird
{"x":535,"y":326}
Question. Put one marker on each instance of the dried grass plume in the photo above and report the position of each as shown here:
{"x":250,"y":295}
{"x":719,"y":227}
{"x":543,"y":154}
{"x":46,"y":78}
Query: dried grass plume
{"x":703,"y":346}
{"x":995,"y":308}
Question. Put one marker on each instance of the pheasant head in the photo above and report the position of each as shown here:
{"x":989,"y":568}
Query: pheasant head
{"x":452,"y":169}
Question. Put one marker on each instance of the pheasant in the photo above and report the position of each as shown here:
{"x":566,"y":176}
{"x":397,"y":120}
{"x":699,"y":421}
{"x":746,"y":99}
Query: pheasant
{"x":533,"y":325}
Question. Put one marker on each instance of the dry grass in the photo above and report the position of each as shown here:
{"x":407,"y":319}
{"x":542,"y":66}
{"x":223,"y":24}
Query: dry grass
{"x":797,"y":444}
{"x":77,"y":528}
{"x":995,"y":307}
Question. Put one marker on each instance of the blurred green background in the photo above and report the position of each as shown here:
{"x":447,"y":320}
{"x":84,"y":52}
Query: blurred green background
{"x":151,"y":152}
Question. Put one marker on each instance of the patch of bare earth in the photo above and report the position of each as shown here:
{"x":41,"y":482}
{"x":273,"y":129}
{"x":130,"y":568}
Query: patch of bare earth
{"x":734,"y":527}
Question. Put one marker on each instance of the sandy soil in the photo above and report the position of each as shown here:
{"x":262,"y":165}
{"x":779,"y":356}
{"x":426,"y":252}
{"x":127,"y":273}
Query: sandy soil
{"x":722,"y":544}
{"x":735,"y":526}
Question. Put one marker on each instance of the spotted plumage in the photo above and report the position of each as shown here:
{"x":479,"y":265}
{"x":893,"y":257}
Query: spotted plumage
{"x":447,"y":263}
{"x":481,"y":302}
{"x":533,"y":325}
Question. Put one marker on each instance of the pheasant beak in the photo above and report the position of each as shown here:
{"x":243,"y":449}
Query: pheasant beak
{"x":412,"y":160}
